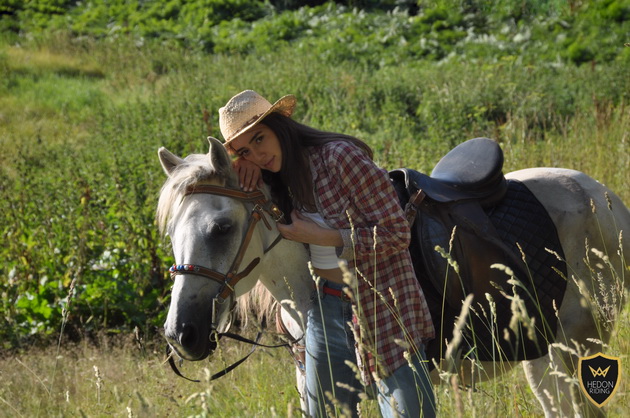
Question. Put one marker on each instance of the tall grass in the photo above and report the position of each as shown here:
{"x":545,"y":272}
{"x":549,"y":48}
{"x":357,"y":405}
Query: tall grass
{"x":80,"y":122}
{"x":120,"y":377}
{"x":134,"y":381}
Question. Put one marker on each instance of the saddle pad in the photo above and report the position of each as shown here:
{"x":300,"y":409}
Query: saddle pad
{"x":519,"y":220}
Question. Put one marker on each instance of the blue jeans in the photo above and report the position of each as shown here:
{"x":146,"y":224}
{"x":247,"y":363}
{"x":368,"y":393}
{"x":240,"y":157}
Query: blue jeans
{"x":407,"y":393}
{"x":330,"y":343}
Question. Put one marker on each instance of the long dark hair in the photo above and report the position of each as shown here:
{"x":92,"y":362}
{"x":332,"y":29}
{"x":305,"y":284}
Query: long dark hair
{"x":292,"y":187}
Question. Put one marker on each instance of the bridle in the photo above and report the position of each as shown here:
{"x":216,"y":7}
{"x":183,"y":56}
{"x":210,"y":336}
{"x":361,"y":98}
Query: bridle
{"x":262,"y":207}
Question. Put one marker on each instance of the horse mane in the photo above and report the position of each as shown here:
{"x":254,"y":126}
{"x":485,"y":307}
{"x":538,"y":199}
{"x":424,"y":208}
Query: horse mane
{"x":194,"y":169}
{"x":258,"y":301}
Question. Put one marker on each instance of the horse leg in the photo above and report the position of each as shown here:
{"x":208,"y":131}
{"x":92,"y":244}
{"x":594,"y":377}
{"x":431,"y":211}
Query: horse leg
{"x":537,"y":373}
{"x":552,"y":378}
{"x":300,"y":379}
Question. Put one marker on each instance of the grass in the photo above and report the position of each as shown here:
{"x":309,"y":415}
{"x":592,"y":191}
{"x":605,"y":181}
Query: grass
{"x":46,"y":60}
{"x":118,"y":377}
{"x":79,"y":125}
{"x":133,"y":380}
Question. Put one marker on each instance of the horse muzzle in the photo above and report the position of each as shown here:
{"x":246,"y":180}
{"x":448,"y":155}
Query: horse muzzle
{"x":190,"y":342}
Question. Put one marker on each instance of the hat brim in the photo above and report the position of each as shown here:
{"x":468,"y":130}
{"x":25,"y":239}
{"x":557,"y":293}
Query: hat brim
{"x":285,"y":106}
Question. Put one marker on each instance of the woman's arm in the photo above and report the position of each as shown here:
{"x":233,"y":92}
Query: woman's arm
{"x":304,"y":230}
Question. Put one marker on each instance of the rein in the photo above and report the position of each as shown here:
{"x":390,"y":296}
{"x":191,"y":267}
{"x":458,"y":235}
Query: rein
{"x":254,"y":343}
{"x":228,"y":281}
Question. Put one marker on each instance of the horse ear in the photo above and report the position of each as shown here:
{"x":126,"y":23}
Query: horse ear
{"x":221,"y":162}
{"x":219,"y":157}
{"x":168,"y":160}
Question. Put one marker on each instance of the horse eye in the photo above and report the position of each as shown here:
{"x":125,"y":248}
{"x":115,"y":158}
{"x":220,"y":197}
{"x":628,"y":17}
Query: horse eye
{"x":221,"y":227}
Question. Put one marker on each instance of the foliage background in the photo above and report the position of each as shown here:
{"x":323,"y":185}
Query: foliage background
{"x":89,"y":90}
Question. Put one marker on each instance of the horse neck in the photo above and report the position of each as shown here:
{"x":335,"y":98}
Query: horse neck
{"x":285,"y":274}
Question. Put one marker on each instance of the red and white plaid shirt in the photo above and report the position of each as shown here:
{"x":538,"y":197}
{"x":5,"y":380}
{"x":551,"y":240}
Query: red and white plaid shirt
{"x":356,"y":197}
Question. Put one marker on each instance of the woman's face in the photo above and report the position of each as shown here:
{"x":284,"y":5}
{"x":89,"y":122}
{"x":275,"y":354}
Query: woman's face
{"x":261,"y":146}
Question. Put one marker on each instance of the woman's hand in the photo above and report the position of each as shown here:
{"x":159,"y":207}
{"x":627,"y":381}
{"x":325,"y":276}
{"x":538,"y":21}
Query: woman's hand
{"x":249,"y":174}
{"x":306,"y":231}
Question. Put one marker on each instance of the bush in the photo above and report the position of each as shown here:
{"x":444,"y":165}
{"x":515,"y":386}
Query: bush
{"x":84,"y":116}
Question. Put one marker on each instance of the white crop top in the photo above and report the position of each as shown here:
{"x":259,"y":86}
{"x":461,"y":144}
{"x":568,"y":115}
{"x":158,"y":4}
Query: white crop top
{"x":322,"y":257}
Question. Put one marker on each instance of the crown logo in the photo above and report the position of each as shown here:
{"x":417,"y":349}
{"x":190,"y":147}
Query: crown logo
{"x":599,"y":371}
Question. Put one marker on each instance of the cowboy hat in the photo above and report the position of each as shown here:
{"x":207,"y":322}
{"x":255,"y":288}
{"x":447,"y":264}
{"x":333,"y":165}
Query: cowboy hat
{"x":243,"y":111}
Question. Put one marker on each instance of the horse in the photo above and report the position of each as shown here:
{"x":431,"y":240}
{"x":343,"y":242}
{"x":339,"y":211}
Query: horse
{"x":215,"y":229}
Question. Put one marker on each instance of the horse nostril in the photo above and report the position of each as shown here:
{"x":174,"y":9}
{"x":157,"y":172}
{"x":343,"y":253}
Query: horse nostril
{"x":189,"y":335}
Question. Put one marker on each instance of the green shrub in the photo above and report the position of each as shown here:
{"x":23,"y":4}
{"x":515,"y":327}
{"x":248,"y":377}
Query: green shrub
{"x":82,"y":116}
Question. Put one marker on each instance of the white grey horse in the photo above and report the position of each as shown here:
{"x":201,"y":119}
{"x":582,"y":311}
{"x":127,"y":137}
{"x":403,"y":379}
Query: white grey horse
{"x":207,"y":227}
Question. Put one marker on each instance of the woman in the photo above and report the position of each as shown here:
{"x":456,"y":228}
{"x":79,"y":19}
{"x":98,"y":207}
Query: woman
{"x":344,"y":207}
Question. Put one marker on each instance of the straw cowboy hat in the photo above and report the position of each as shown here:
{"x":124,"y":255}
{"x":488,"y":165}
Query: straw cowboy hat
{"x":246,"y":109}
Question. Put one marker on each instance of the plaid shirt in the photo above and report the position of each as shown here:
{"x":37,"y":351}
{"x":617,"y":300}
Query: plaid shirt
{"x":356,"y":197}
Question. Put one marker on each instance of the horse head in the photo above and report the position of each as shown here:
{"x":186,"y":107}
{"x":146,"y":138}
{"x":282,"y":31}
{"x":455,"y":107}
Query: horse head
{"x":206,"y":231}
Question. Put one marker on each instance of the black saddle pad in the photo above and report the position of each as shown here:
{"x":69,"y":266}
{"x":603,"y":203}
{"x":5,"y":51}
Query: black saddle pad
{"x":520,"y":221}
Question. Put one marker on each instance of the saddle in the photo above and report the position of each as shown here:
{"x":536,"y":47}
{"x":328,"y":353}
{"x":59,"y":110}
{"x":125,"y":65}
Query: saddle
{"x":478,"y":219}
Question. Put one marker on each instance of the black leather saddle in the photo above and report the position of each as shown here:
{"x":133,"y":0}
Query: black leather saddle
{"x":473,"y":170}
{"x":473,"y":214}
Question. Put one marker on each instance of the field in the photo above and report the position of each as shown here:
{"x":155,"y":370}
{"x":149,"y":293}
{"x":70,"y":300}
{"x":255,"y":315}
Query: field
{"x":83,"y":269}
{"x":127,"y":377}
